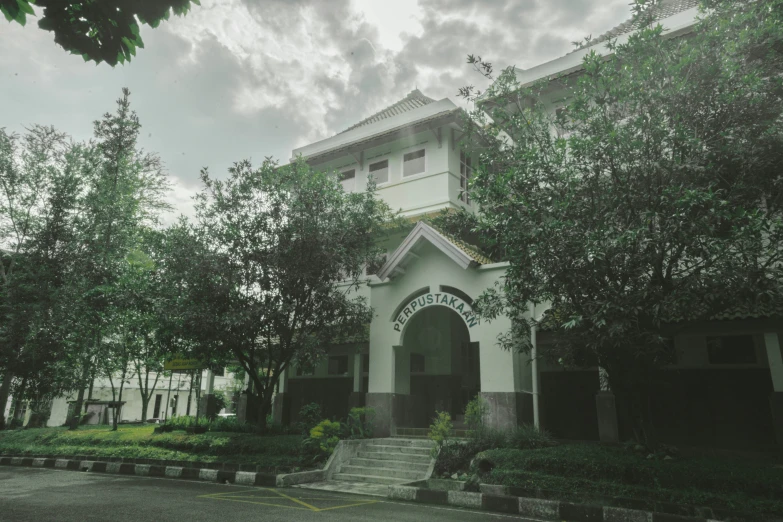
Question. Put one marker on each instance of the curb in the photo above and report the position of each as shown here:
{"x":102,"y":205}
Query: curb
{"x":218,"y":476}
{"x":496,"y":499}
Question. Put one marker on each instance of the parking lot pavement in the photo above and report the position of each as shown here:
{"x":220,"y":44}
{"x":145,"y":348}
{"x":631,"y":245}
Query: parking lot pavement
{"x":42,"y":495}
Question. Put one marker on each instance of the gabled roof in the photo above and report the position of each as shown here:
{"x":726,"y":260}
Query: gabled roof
{"x":413,"y":100}
{"x":460,"y":252}
{"x":664,"y":9}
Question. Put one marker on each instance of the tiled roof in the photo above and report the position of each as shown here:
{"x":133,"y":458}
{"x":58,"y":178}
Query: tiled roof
{"x":472,"y":251}
{"x":664,"y":9}
{"x":552,"y":320}
{"x":413,"y":100}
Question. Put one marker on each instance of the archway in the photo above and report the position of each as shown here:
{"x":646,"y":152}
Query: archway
{"x":437,"y":364}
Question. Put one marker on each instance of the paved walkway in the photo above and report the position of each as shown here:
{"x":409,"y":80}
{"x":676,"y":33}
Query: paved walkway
{"x":44,"y":495}
{"x":356,"y":488}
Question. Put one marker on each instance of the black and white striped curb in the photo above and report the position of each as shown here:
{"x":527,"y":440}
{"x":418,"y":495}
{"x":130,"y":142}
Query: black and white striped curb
{"x":551,"y":509}
{"x":219,"y":476}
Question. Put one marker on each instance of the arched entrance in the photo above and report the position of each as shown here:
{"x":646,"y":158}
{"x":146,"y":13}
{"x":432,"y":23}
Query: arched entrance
{"x":436,"y":363}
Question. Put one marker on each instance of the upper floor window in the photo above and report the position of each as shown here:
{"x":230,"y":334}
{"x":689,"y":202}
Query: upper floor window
{"x":731,"y":349}
{"x":465,"y":172}
{"x":413,"y":163}
{"x":348,"y":179}
{"x":338,"y":365}
{"x":380,"y":171}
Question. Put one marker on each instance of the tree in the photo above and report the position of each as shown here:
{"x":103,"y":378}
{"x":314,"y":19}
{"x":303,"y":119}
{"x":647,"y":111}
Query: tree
{"x":125,"y":194}
{"x":657,"y":200}
{"x":39,"y":184}
{"x":99,"y":31}
{"x":272,"y":244}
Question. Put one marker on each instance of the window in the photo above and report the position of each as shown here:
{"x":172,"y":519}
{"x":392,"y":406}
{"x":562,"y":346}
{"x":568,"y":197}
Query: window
{"x":338,"y":365}
{"x":366,"y":363}
{"x":731,"y":349}
{"x":380,"y":171}
{"x":413,"y":163}
{"x":465,"y":171}
{"x":417,"y":363}
{"x":559,"y":121}
{"x":348,"y":179}
{"x":219,"y":372}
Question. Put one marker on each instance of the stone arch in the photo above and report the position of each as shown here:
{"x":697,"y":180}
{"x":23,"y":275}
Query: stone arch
{"x":407,"y":309}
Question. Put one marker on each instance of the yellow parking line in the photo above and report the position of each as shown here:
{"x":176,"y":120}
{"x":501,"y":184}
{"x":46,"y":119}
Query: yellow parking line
{"x":294,"y":499}
{"x":366,"y":503}
{"x":242,"y":496}
{"x":258,"y":503}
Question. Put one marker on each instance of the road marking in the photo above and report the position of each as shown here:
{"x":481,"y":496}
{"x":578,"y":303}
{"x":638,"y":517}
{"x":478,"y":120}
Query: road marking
{"x":251,"y":497}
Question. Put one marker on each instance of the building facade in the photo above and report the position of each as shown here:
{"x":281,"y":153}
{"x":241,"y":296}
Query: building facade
{"x":425,"y":351}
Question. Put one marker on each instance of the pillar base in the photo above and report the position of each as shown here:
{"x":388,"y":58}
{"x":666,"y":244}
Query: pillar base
{"x":392,"y":411}
{"x":281,"y":405}
{"x":502,"y":409}
{"x":776,"y":406}
{"x":607,"y":417}
{"x":247,"y":409}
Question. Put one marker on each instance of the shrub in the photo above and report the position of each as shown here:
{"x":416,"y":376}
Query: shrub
{"x":528,"y":436}
{"x":309,"y":417}
{"x":440,"y":429}
{"x":454,"y":457}
{"x":486,"y":438}
{"x":474,"y":412}
{"x":325,"y":435}
{"x":360,"y":424}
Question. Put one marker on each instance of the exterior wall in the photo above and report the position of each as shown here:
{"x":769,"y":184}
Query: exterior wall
{"x":436,"y":188}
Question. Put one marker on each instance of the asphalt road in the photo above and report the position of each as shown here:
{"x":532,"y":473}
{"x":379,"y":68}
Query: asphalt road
{"x":41,"y":495}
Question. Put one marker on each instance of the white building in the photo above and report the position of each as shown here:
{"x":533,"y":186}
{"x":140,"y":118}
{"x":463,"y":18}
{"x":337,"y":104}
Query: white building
{"x":426,"y":352}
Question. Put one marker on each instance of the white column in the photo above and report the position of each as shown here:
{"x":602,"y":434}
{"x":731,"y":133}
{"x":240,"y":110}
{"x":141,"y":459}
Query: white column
{"x":282,"y":383}
{"x":534,"y":369}
{"x":772,"y":343}
{"x":357,"y":372}
{"x":210,"y":382}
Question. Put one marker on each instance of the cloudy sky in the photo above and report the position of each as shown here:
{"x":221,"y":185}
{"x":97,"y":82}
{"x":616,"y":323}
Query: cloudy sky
{"x":238,"y":79}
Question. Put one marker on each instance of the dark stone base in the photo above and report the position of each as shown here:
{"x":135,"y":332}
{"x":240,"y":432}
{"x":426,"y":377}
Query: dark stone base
{"x":208,"y":406}
{"x":392,"y":411}
{"x":607,"y":417}
{"x":776,"y":406}
{"x":247,"y":409}
{"x":502,"y":409}
{"x":281,"y":406}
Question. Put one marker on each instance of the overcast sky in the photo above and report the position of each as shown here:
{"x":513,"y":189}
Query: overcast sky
{"x":238,"y":79}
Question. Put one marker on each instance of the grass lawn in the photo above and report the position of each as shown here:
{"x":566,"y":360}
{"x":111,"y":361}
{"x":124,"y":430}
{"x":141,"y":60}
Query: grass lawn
{"x":591,"y":473}
{"x":282,"y":452}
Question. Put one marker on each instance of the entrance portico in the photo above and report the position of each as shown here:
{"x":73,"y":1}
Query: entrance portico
{"x":424,"y":322}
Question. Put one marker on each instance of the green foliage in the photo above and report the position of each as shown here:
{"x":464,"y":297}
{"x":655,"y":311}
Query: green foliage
{"x":282,"y":452}
{"x":360,"y":423}
{"x":475,"y":411}
{"x":99,"y":31}
{"x":325,"y":436}
{"x":309,"y":417}
{"x":440,"y":429}
{"x":653,"y":196}
{"x":528,"y":436}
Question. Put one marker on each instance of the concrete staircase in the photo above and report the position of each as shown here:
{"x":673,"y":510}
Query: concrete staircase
{"x":388,"y":461}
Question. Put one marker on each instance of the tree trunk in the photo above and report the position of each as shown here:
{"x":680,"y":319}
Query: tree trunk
{"x":5,"y":389}
{"x":19,"y":397}
{"x":77,"y":408}
{"x":264,"y":408}
{"x":118,"y":406}
{"x":190,"y":392}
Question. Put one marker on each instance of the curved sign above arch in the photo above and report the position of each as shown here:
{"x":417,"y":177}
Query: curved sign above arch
{"x":436,"y":299}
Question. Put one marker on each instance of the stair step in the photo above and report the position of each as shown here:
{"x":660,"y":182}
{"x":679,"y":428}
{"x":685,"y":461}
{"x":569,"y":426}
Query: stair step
{"x":422,"y":466}
{"x":374,"y":479}
{"x":406,"y":450}
{"x":403,"y":441}
{"x":395,"y":456}
{"x":384,"y":472}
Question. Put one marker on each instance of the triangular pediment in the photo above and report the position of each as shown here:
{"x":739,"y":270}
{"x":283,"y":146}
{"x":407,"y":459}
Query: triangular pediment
{"x":406,"y":252}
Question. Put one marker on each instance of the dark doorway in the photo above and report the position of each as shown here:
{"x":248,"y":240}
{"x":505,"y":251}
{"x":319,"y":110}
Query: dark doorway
{"x":156,"y":410}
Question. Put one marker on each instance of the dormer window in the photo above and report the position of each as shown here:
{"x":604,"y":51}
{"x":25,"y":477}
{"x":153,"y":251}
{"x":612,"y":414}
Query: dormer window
{"x":379,"y":172}
{"x":465,"y":171}
{"x":413,"y":163}
{"x":348,"y":179}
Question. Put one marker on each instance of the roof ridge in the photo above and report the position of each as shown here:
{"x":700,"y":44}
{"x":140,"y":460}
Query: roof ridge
{"x":661,"y":10}
{"x":472,"y":250}
{"x":414,"y":99}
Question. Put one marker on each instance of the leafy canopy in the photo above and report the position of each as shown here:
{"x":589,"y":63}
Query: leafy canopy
{"x":101,"y":31}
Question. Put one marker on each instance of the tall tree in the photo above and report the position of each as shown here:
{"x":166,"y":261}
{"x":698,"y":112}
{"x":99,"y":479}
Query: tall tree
{"x":273,"y":244}
{"x":99,"y":31}
{"x":654,"y":197}
{"x":125,"y":194}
